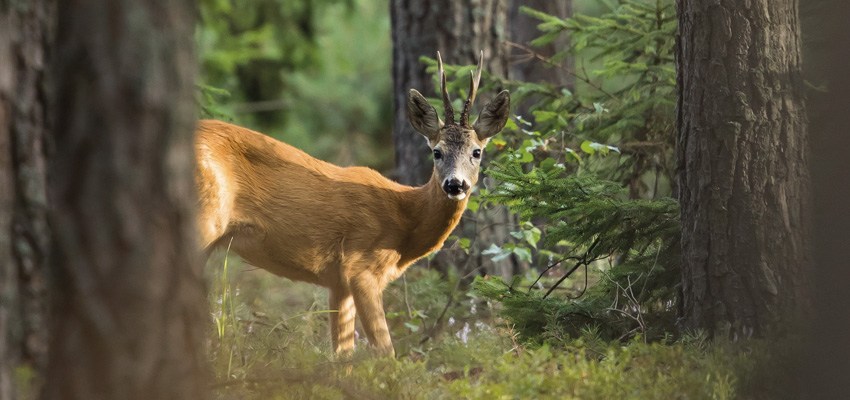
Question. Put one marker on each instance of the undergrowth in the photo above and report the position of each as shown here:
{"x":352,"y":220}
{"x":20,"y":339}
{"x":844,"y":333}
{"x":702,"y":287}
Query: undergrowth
{"x":268,"y":339}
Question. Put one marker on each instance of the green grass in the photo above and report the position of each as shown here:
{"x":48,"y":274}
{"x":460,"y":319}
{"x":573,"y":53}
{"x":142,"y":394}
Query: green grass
{"x":269,"y":339}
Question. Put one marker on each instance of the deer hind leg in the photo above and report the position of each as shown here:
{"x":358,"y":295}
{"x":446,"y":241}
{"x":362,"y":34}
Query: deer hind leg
{"x":368,"y":299}
{"x":342,"y":321}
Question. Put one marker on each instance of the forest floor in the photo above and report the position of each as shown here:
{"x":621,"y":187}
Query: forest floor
{"x":269,"y":339}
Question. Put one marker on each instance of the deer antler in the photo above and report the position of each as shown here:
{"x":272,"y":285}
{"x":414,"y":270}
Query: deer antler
{"x":474,"y":79}
{"x":447,"y":104}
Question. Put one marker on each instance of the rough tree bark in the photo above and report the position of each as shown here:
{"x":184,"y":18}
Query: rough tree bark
{"x":128,"y":301}
{"x":25,"y":41}
{"x":743,"y":159}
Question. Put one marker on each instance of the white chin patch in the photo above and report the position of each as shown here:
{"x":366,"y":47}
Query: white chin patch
{"x":457,"y":197}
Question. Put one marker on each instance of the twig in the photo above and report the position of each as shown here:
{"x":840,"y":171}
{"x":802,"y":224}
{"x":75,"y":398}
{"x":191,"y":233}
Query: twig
{"x":584,"y":289}
{"x":583,"y":261}
{"x":531,"y":53}
{"x":432,"y":331}
{"x":563,"y":278}
{"x":629,"y":294}
{"x":648,"y":274}
{"x":552,"y":265}
{"x":406,"y":302}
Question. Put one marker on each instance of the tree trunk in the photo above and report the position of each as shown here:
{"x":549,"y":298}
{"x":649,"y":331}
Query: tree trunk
{"x":523,"y":31}
{"x":743,"y":159}
{"x":459,"y":30}
{"x":128,"y":305}
{"x":26,"y":32}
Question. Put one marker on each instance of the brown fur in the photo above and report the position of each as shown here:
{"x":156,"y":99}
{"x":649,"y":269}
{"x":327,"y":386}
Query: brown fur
{"x":348,"y":229}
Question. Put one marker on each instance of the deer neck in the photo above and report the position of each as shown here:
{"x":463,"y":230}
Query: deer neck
{"x":435,"y":218}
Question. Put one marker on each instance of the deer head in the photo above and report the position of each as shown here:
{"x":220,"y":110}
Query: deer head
{"x":457,"y":146}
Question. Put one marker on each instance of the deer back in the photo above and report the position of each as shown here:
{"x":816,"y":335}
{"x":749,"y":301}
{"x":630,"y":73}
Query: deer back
{"x":301,"y":217}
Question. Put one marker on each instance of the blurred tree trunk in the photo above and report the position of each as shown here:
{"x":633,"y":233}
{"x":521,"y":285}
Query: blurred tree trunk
{"x":523,"y":31}
{"x":128,"y":302}
{"x":25,"y":41}
{"x":743,"y":165}
{"x":459,"y":30}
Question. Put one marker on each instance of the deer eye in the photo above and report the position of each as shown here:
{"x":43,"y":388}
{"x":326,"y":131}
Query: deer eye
{"x":438,"y":154}
{"x":476,"y":153}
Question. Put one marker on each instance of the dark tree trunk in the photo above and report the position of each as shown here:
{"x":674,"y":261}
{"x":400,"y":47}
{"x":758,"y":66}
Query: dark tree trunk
{"x":459,"y":30}
{"x":128,"y":301}
{"x":743,"y":159}
{"x":523,"y":31}
{"x":25,"y":41}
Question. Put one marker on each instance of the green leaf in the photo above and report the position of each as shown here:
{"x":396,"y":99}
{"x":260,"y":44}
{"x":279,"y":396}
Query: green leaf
{"x":501,"y":256}
{"x":573,"y":154}
{"x":587,"y":148}
{"x":473,"y":204}
{"x":562,"y":121}
{"x":493,"y":249}
{"x":523,"y":121}
{"x":516,"y":280}
{"x":412,"y":327}
{"x":522,"y":253}
{"x":543,"y":116}
{"x":599,"y":109}
{"x":601,"y":148}
{"x":532,"y":236}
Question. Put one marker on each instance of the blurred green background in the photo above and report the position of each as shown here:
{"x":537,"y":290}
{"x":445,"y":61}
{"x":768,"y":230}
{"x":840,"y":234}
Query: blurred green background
{"x":315,"y":74}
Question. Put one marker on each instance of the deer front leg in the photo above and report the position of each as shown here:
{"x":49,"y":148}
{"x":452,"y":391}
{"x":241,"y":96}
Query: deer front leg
{"x":368,"y":298}
{"x":342,"y":321}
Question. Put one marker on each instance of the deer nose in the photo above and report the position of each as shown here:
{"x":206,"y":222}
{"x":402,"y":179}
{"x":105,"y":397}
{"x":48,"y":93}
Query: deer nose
{"x":454,"y":186}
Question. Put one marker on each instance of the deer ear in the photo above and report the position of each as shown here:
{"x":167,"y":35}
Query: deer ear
{"x":493,"y":117}
{"x":423,"y":116}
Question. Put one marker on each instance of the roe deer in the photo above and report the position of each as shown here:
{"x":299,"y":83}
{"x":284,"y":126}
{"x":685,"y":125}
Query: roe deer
{"x":348,"y":229}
